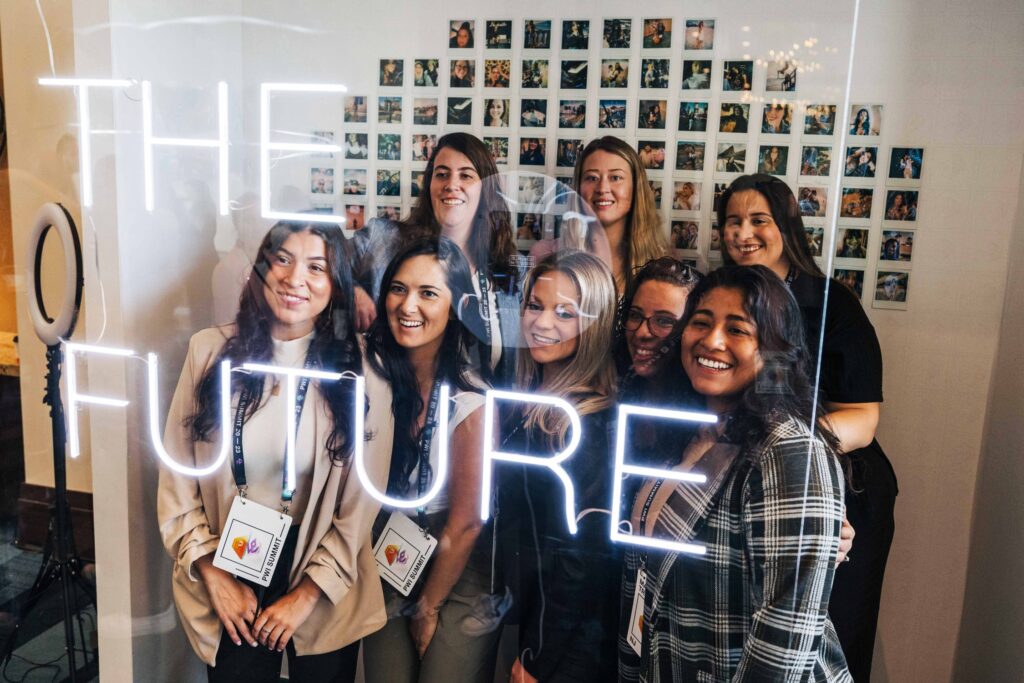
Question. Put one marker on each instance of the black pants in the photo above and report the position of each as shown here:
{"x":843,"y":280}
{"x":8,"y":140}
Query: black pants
{"x":247,"y":664}
{"x":857,"y":589}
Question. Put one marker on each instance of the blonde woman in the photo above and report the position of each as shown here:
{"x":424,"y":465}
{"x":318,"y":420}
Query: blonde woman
{"x":568,"y":583}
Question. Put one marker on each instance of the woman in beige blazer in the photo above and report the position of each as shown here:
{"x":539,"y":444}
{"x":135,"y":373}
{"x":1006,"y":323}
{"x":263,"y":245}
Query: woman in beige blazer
{"x":325,"y":593}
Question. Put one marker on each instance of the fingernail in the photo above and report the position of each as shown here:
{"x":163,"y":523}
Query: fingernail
{"x":238,"y":642}
{"x":253,"y":644}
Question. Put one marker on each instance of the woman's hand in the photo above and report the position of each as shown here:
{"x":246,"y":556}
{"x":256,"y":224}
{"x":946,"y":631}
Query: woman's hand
{"x":233,"y":601}
{"x":366,"y":312}
{"x":277,"y":623}
{"x":519,"y":674}
{"x":846,"y":534}
{"x":422,"y":628}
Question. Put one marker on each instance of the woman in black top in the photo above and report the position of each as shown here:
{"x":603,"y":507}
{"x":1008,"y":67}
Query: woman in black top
{"x":759,"y":222}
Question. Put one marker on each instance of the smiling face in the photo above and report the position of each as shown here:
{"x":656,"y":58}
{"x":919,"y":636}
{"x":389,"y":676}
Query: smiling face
{"x":657,"y":307}
{"x":719,"y":349}
{"x":496,"y":110}
{"x":297,"y":286}
{"x":462,"y":38}
{"x":750,"y":234}
{"x":460,"y":68}
{"x":454,"y":194}
{"x":418,"y":303}
{"x":551,"y":324}
{"x":607,"y":185}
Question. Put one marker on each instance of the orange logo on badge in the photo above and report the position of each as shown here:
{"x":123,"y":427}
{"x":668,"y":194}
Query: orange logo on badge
{"x":394,"y":552}
{"x":242,"y":545}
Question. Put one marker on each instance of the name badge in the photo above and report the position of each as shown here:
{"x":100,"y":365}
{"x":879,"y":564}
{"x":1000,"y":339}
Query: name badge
{"x":251,"y":541}
{"x":635,"y":636}
{"x":402,"y":551}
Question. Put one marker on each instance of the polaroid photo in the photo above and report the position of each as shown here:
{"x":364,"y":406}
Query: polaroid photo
{"x":815,"y":238}
{"x":424,"y":111}
{"x":684,"y":234}
{"x":535,"y":73}
{"x":392,"y":73}
{"x":322,"y":137}
{"x":693,"y":117}
{"x":575,"y":34}
{"x":460,"y":111}
{"x":897,"y":245}
{"x":355,"y":216}
{"x":715,"y":246}
{"x":531,"y":189}
{"x":416,"y":183}
{"x":389,"y":146}
{"x":732,"y":157}
{"x":657,"y":33}
{"x":690,"y":156}
{"x":700,"y":34}
{"x":720,"y":189}
{"x":356,"y":146}
{"x":461,"y":33}
{"x":498,"y":147}
{"x":572,"y":114}
{"x":463,"y":73}
{"x":734,"y":118}
{"x":496,"y":113}
{"x":813,"y":201}
{"x":423,"y":146}
{"x":861,"y":162}
{"x":617,"y":34}
{"x":891,"y":289}
{"x":425,"y":73}
{"x":611,"y":114}
{"x":737,"y":76}
{"x":536,"y":34}
{"x":568,"y":152}
{"x":389,"y":110}
{"x":652,"y":154}
{"x":655,"y":186}
{"x":529,"y":227}
{"x":321,"y":180}
{"x":652,"y":114}
{"x":498,"y":35}
{"x":816,"y":161}
{"x":497,"y":73}
{"x":355,"y":109}
{"x":533,"y":113}
{"x":389,"y":213}
{"x":574,"y":75}
{"x":686,"y":195}
{"x":615,"y":73}
{"x":532,"y":151}
{"x":865,"y":119}
{"x":900,"y":205}
{"x":852,"y":243}
{"x":654,"y":73}
{"x":777,"y":119}
{"x":905,"y":163}
{"x":781,"y":77}
{"x":851,"y":278}
{"x":389,"y":183}
{"x":856,"y":202}
{"x":354,"y":181}
{"x":820,"y":119}
{"x":696,"y":74}
{"x":772,"y":159}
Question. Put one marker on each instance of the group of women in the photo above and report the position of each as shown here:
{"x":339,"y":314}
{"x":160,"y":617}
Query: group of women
{"x":437,"y":311}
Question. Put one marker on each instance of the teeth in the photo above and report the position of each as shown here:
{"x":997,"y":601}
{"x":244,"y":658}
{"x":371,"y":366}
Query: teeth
{"x":452,"y":202}
{"x":410,"y":323}
{"x":605,"y":202}
{"x":544,"y":340}
{"x":713,"y":364}
{"x":749,"y":248}
{"x":643,"y":353}
{"x":291,"y":298}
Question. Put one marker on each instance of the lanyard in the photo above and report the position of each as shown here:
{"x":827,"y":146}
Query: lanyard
{"x":644,"y":512}
{"x":485,"y":303}
{"x":426,"y":440}
{"x":238,"y":459}
{"x":790,"y":276}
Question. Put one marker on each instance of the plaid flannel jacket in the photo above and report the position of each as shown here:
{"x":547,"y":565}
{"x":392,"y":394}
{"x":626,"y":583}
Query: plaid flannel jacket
{"x":755,"y":606}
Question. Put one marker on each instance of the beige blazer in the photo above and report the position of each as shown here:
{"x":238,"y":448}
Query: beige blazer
{"x":334,"y":547}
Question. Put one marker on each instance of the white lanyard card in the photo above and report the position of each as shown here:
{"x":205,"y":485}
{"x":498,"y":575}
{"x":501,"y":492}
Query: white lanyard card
{"x":635,"y":636}
{"x":251,"y":541}
{"x":402,"y":552}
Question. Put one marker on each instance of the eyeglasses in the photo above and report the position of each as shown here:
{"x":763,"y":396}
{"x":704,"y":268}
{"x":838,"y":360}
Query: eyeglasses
{"x":659,"y":324}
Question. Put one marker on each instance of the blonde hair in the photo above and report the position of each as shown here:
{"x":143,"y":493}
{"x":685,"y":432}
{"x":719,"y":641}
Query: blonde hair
{"x":646,"y":240}
{"x":588,"y":380}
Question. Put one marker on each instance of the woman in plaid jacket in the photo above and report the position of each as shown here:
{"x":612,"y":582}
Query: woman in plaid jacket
{"x":746,"y":597}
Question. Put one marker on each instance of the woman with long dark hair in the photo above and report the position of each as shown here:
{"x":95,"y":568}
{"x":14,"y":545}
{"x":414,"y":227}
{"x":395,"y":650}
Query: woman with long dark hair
{"x":759,"y":223}
{"x":745,"y":597}
{"x":295,"y":312}
{"x":417,"y":344}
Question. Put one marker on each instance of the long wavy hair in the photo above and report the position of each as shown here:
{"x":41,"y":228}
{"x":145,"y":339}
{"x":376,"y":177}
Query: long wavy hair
{"x":333,"y":346}
{"x":491,"y":246}
{"x":785,"y":212}
{"x":588,"y":379}
{"x":390,"y":360}
{"x":782,"y":388}
{"x":645,"y":239}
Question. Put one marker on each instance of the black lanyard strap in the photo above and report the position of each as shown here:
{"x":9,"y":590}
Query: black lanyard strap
{"x":426,"y":441}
